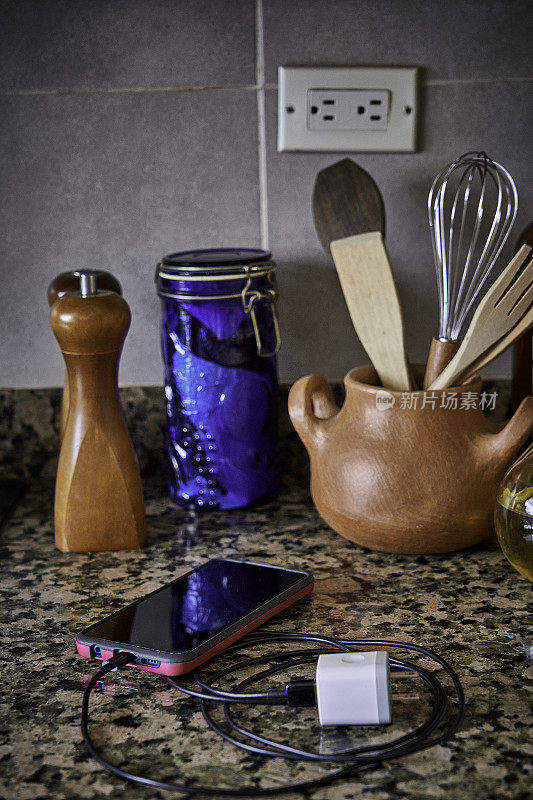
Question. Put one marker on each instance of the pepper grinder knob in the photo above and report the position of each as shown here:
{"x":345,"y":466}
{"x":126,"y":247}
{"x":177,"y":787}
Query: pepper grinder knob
{"x":98,"y":499}
{"x":88,"y":283}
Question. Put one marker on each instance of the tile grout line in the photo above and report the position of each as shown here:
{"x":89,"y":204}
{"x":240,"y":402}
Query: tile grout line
{"x":261,"y":124}
{"x":130,"y":90}
{"x":230,"y":86}
{"x":474,"y":81}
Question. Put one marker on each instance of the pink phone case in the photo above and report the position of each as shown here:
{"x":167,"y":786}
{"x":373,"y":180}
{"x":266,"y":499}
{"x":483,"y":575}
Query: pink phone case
{"x":172,"y":668}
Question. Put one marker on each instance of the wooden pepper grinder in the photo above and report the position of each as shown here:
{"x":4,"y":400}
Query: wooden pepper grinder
{"x":98,"y":499}
{"x":70,"y":282}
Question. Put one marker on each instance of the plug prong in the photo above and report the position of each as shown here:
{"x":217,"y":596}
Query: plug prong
{"x":405,"y":696}
{"x":402,"y":675}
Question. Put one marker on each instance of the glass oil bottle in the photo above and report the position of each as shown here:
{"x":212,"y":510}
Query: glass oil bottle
{"x":513,"y":514}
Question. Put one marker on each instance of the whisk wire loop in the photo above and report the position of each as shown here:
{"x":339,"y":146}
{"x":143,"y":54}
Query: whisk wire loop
{"x":472,"y":206}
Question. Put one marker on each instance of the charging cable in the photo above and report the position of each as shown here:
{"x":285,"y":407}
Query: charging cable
{"x":350,"y":687}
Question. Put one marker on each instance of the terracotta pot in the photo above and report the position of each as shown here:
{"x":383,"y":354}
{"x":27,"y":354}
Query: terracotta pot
{"x":404,"y":480}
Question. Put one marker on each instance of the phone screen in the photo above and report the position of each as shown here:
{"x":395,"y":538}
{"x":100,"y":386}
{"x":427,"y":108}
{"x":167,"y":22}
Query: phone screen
{"x":195,"y":607}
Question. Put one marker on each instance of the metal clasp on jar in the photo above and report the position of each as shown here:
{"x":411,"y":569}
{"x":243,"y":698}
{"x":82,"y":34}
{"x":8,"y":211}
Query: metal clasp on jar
{"x":269,"y":296}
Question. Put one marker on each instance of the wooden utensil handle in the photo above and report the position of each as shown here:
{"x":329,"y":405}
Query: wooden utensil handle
{"x":525,"y":324}
{"x":522,"y":384}
{"x":441,"y":353}
{"x":497,"y":316}
{"x":368,"y":286}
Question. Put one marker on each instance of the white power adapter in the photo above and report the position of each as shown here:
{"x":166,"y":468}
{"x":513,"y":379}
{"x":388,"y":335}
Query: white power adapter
{"x":353,"y":688}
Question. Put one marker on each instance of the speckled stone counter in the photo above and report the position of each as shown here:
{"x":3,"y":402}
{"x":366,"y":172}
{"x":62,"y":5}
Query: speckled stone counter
{"x":471,"y":607}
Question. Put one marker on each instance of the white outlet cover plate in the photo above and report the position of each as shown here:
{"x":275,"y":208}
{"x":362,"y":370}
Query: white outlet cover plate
{"x":293,"y":129}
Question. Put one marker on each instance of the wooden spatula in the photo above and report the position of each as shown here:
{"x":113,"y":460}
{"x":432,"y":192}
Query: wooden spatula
{"x":498,"y":317}
{"x":350,"y":221}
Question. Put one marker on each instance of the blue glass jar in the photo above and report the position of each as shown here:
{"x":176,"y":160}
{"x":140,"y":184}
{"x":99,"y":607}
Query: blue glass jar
{"x":219,"y":339}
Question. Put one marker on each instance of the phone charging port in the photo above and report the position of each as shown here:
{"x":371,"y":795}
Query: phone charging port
{"x":148,"y":662}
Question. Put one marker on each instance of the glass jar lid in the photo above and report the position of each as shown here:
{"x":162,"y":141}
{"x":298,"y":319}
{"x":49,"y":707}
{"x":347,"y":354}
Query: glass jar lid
{"x":215,"y":264}
{"x":193,"y":276}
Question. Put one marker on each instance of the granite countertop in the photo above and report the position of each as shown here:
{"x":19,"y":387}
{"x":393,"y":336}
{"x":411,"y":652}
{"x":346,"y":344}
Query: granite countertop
{"x":471,"y":607}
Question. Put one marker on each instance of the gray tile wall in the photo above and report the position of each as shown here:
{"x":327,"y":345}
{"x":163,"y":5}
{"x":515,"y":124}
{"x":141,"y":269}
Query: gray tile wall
{"x":132,"y":129}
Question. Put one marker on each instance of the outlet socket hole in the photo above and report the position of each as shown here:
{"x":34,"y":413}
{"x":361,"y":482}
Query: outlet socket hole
{"x":329,"y":102}
{"x":375,"y":102}
{"x":408,"y":110}
{"x":290,"y":109}
{"x":361,"y":109}
{"x":328,"y":117}
{"x":375,"y":116}
{"x":314,"y":109}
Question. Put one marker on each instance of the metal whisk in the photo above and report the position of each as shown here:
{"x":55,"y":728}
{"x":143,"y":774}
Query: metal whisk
{"x":472,"y":206}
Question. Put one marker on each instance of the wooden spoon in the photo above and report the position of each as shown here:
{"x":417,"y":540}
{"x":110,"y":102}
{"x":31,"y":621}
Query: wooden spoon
{"x":497,"y":317}
{"x":350,"y":221}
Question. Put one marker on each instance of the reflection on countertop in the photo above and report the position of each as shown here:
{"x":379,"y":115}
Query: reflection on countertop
{"x":471,"y":607}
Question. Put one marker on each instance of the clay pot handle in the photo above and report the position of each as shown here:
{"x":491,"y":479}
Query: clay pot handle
{"x":310,"y":402}
{"x":511,"y":438}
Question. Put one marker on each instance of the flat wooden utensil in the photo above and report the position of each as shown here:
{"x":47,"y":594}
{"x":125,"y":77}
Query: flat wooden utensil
{"x":350,"y":221}
{"x":493,"y":352}
{"x":497,"y":317}
{"x":522,"y":384}
{"x":346,"y":201}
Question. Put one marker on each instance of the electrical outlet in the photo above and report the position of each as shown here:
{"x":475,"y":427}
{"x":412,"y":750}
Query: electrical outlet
{"x":347,"y":109}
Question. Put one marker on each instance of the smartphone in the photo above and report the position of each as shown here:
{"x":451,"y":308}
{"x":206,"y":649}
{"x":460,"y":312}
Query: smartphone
{"x":185,"y":623}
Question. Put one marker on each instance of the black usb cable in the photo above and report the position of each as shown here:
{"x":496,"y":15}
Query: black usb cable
{"x":440,"y":725}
